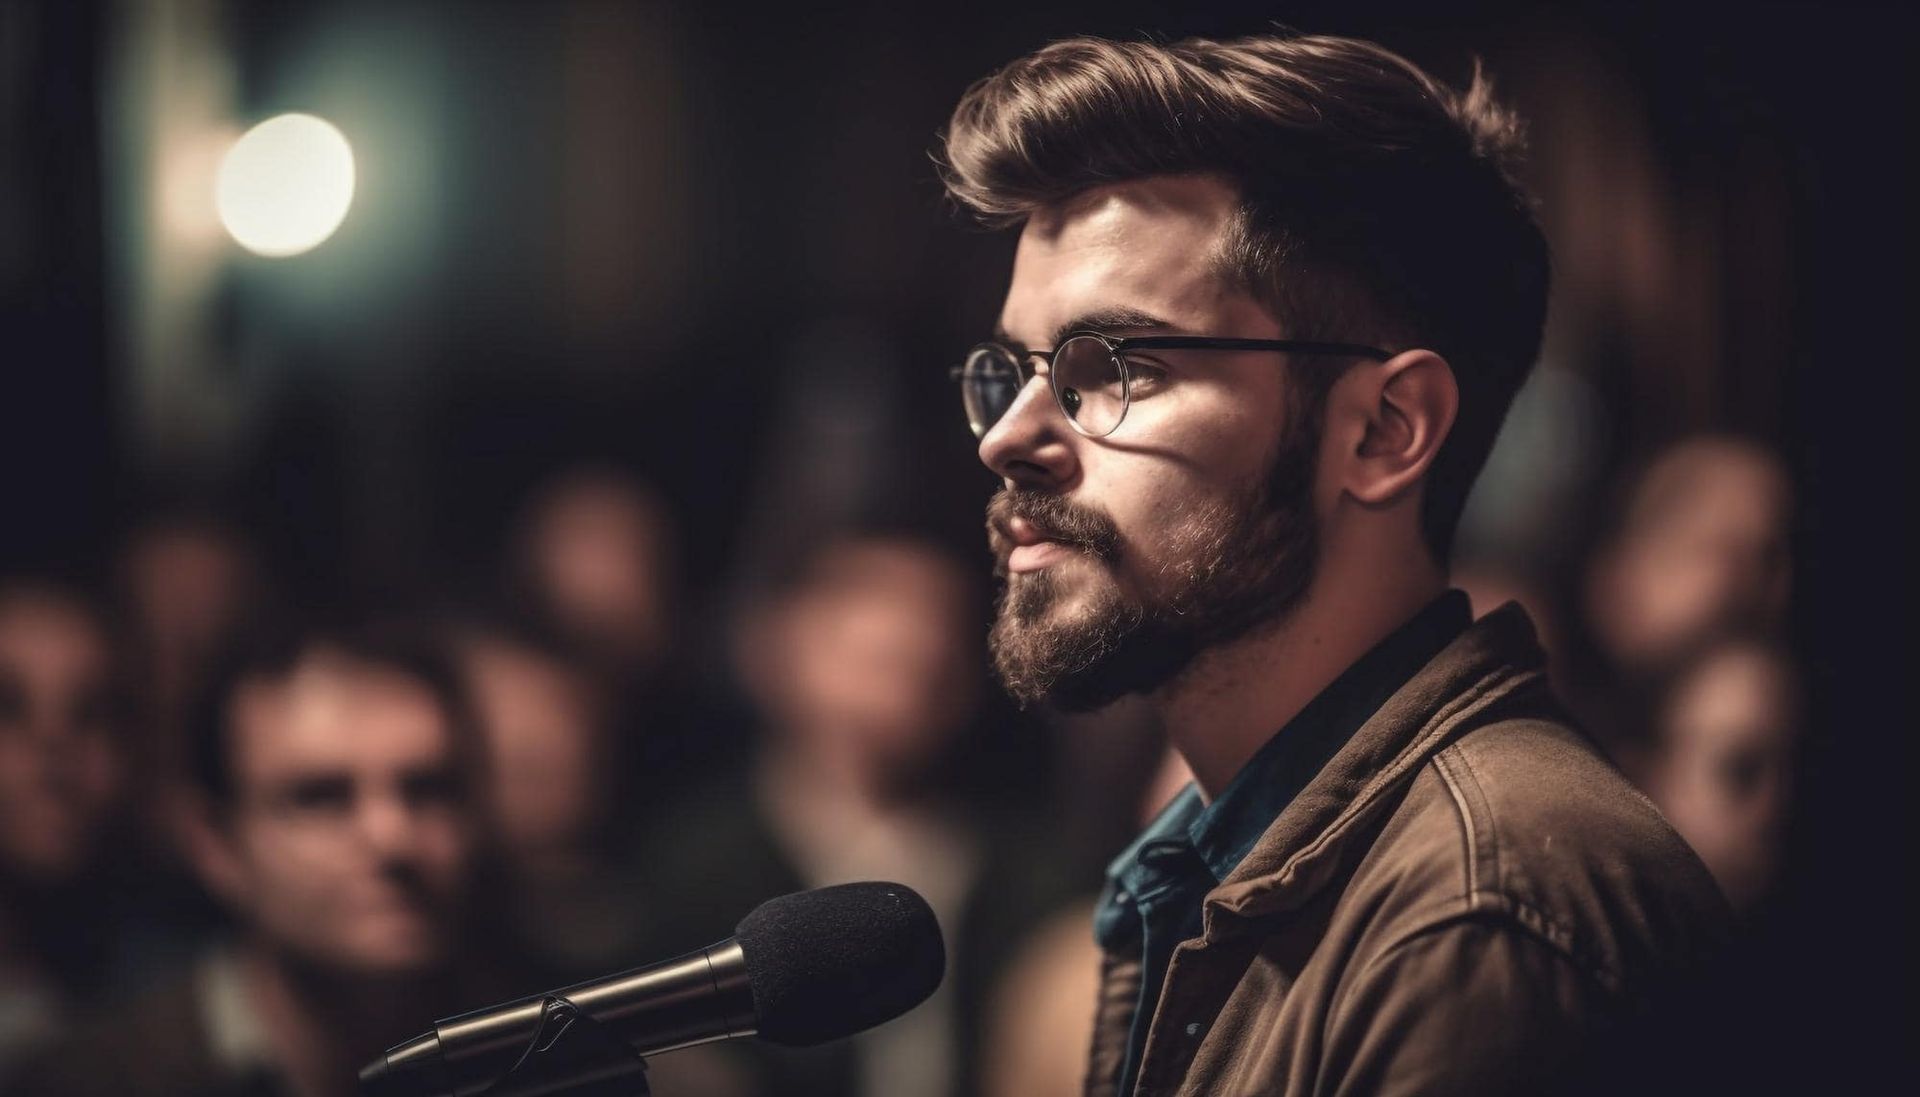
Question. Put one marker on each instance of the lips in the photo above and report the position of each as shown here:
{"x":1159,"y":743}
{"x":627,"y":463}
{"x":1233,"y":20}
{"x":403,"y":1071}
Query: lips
{"x":1028,"y":531}
{"x":1028,"y":547}
{"x":1034,"y":557}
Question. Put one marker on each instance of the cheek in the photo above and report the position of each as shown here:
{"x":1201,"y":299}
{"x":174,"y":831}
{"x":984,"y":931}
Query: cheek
{"x":1158,"y":500}
{"x":287,"y":861}
{"x":443,"y":846}
{"x":293,"y":883}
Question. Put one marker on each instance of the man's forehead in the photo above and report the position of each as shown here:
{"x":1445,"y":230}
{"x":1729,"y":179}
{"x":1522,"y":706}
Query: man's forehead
{"x":337,"y":713}
{"x":1146,"y":245}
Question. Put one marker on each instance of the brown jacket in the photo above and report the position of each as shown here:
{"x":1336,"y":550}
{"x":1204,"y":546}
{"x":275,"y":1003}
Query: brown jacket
{"x":1465,"y":900}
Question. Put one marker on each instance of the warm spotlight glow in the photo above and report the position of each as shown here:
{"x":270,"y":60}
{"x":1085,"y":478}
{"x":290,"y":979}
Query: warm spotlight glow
{"x":285,"y":185}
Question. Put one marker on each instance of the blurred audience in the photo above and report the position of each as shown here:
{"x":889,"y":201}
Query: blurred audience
{"x":61,"y":779}
{"x":568,"y":891}
{"x":331,"y":772}
{"x":187,"y":579}
{"x":863,"y":661}
{"x":1698,"y":551}
{"x":1721,"y":764}
{"x":594,"y":553}
{"x":594,"y":560}
{"x":1702,"y":543}
{"x":1040,"y":1019}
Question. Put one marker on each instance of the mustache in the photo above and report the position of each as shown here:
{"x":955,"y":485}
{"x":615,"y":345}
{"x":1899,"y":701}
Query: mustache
{"x":1056,"y":518}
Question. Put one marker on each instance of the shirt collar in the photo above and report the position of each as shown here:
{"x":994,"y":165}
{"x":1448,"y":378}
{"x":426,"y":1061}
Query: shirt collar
{"x":236,"y":1035}
{"x":1173,"y":824}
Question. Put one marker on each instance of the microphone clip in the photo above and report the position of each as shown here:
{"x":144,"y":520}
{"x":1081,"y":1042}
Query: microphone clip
{"x":574,"y":1054}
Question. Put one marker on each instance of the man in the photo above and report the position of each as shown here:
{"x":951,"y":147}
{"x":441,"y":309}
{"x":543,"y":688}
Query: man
{"x":331,"y":820}
{"x":61,"y":785}
{"x":1726,"y":728}
{"x":1271,"y":300}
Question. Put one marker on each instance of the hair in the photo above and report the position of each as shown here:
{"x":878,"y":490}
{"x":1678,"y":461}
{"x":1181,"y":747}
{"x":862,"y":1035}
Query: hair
{"x":272,"y":651}
{"x":1376,"y":204}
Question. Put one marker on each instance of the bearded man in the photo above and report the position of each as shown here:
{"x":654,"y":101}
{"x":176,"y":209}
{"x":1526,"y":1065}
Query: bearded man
{"x":1271,"y":300}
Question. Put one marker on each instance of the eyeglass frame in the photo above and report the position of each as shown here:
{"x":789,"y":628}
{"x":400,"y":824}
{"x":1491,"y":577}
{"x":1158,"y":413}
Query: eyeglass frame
{"x":1117,"y":348}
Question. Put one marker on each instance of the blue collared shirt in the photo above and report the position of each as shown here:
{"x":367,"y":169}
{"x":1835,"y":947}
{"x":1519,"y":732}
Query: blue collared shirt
{"x":1155,"y":887}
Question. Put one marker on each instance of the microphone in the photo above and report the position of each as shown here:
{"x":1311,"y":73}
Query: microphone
{"x":801,"y":969}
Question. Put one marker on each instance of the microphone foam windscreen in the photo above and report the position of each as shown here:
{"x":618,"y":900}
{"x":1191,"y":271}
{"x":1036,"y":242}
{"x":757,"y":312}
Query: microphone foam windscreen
{"x":827,"y":963}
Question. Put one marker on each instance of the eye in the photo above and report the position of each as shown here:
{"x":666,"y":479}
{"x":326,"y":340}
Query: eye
{"x":14,"y":707}
{"x":1146,"y":375}
{"x":430,"y":788}
{"x":93,"y":709}
{"x":328,"y":795}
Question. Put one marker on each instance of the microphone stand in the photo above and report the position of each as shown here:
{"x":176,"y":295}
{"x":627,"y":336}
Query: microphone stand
{"x":572,"y":1053}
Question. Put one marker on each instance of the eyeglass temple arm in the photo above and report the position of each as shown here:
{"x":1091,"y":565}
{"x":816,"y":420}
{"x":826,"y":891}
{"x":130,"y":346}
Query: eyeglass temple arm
{"x":1296,"y":346}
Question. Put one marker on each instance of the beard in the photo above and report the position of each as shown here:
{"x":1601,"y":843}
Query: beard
{"x":1237,"y":564}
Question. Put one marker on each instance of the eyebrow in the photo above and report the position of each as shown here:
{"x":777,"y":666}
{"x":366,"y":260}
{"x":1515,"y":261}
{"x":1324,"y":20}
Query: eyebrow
{"x":1116,"y":318}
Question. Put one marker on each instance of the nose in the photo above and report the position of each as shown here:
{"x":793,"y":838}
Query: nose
{"x":1032,"y":445}
{"x":386,"y":825}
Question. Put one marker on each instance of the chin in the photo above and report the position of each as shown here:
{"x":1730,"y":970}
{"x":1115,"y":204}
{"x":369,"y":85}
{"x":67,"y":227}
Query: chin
{"x":398,"y":953}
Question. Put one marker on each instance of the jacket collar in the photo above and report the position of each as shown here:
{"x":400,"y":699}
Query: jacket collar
{"x":1308,"y":842}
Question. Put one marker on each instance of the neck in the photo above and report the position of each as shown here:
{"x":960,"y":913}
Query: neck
{"x":323,"y":1027}
{"x":825,"y":777}
{"x":1223,"y":708}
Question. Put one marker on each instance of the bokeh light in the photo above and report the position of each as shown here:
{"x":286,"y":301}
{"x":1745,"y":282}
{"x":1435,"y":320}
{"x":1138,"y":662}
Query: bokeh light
{"x":285,"y":186}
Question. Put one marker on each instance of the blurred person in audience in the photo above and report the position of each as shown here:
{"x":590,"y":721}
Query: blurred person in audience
{"x":1270,"y":302}
{"x":331,"y":771}
{"x":1701,"y":544}
{"x":1698,"y":544}
{"x":187,"y":579}
{"x":1040,"y":1018}
{"x":569,"y":893}
{"x":862,"y":663}
{"x":595,"y":554}
{"x":61,"y":779}
{"x":594,"y":559}
{"x":1727,"y":725}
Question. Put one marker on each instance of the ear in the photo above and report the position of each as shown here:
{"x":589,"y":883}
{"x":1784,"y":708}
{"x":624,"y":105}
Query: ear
{"x":207,"y":842}
{"x":1402,"y":410}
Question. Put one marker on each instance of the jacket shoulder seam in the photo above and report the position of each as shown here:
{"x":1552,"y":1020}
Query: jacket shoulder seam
{"x":1499,"y":913}
{"x":1463,"y":811}
{"x":1486,"y":890}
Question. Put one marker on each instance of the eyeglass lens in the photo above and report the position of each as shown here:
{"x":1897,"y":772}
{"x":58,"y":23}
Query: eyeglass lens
{"x":1088,"y":383}
{"x":989,"y":384}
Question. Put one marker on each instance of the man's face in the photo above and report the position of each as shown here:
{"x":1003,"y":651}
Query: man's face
{"x":60,"y":770}
{"x":870,"y":675}
{"x":1724,"y":772}
{"x":1190,"y":524}
{"x":543,"y":734}
{"x":348,"y":838}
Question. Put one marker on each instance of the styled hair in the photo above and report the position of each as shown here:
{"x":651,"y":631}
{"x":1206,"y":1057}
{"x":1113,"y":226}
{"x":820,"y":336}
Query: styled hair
{"x":1376,"y":204}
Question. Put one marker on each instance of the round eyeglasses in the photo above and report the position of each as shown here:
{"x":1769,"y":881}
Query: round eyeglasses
{"x":1091,"y":377}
